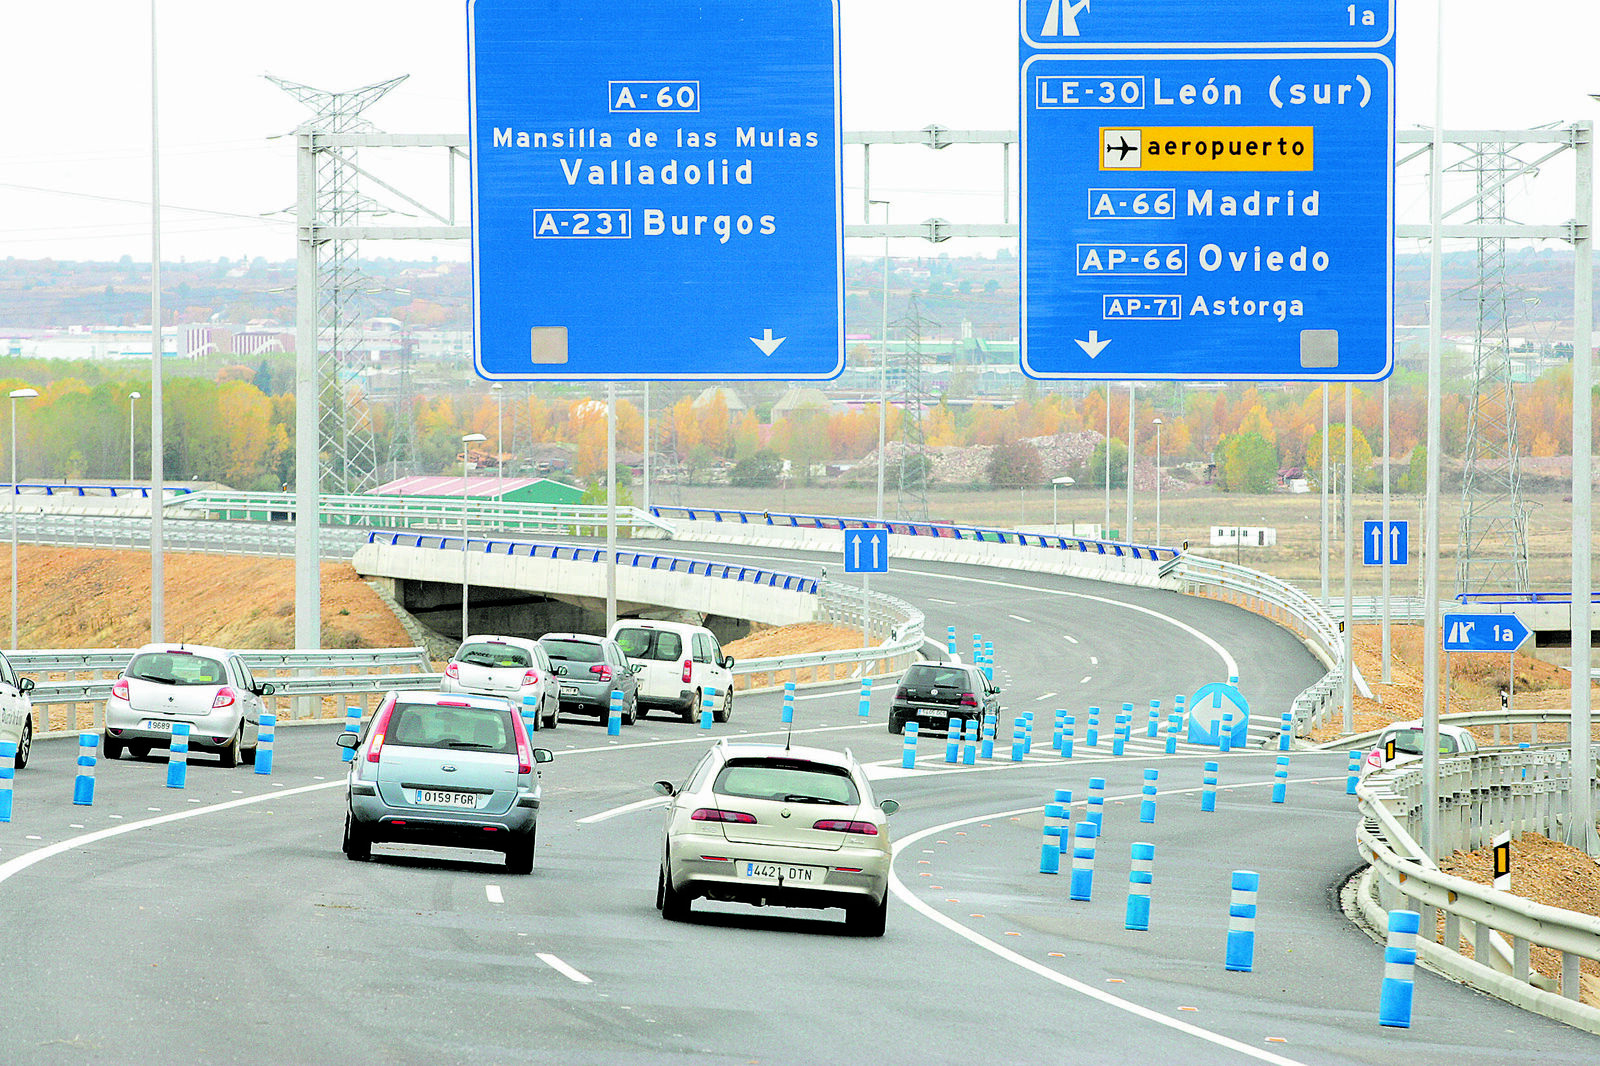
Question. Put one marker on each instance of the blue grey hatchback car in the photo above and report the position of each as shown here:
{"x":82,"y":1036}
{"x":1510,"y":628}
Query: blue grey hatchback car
{"x":444,"y":768}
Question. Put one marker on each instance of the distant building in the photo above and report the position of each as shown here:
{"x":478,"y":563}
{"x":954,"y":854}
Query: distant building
{"x":537,"y":490}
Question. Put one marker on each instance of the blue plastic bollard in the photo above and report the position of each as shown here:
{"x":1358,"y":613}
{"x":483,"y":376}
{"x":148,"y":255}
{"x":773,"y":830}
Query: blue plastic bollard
{"x":969,"y":748}
{"x":1069,"y":727}
{"x":1208,"y":795}
{"x":866,"y":698}
{"x":952,"y":740}
{"x":178,"y":756}
{"x":1027,"y":732}
{"x":788,"y":703}
{"x":1285,"y":731}
{"x":1083,"y":862}
{"x":1097,"y":803}
{"x":988,"y":659}
{"x":266,"y":737}
{"x":1241,"y":955}
{"x":1153,"y":729}
{"x":83,"y":785}
{"x":1141,"y":875}
{"x":614,"y":717}
{"x":1354,"y":771}
{"x":8,"y":774}
{"x":1016,"y":740}
{"x":706,"y":701}
{"x":1147,"y":804}
{"x":1225,"y":737}
{"x":1092,"y":738}
{"x":1399,"y":970}
{"x":352,"y":724}
{"x":1055,"y":737}
{"x":1174,"y":724}
{"x":950,"y":640}
{"x":530,"y":715}
{"x":1050,"y":850}
{"x":1280,"y":780}
{"x":908,"y":754}
{"x":989,"y":725}
{"x":1119,"y":734}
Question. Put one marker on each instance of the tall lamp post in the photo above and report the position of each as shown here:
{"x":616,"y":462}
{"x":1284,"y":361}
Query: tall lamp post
{"x":1055,"y":518}
{"x":499,"y":441}
{"x":466,"y":459}
{"x":1157,"y":423}
{"x":133,"y":401}
{"x":883,"y":359}
{"x":16,"y":394}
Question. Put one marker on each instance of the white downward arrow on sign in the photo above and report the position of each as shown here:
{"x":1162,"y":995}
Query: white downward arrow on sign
{"x":1094,"y":345}
{"x":767,"y":342}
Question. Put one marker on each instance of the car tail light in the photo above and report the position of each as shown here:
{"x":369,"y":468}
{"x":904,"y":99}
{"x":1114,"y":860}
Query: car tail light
{"x":1375,"y":757}
{"x":454,"y":703}
{"x":530,"y":677}
{"x":119,"y":689}
{"x":713,"y":814}
{"x":380,"y":726}
{"x":968,"y":700}
{"x":524,"y":746}
{"x":223,"y":698}
{"x":452,"y":670}
{"x":601,"y":670}
{"x":840,"y":825}
{"x":688,"y":671}
{"x":901,"y":693}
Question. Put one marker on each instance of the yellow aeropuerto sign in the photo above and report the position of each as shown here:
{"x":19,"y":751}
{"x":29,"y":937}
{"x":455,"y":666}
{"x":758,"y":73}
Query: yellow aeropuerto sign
{"x":1207,"y":148}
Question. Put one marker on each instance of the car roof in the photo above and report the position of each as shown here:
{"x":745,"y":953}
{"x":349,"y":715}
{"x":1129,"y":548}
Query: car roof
{"x":658,"y":623}
{"x":1453,"y":730}
{"x":184,"y":649}
{"x":828,"y":756}
{"x":588,"y":637}
{"x":491,"y":638}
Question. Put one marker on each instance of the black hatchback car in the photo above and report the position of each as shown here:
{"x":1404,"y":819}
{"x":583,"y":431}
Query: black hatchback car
{"x":933,"y":693}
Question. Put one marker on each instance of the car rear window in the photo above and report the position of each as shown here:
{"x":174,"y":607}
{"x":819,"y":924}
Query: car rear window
{"x":176,"y":668}
{"x":427,"y":725}
{"x":493,"y":653}
{"x":787,"y":781}
{"x":574,"y":651}
{"x":659,"y":644}
{"x":1410,"y":742}
{"x":925,"y":676}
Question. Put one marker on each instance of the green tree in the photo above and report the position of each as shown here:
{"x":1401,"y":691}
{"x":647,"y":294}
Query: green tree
{"x":1415,"y":480}
{"x":1096,"y":472}
{"x":1360,"y":452}
{"x":758,"y":471}
{"x":1247,"y":462}
{"x":1014,"y":463}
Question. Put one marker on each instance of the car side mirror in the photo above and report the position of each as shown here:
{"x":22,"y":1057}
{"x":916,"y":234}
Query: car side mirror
{"x":727,"y":662}
{"x":25,"y":684}
{"x":889,"y":807}
{"x":348,"y":740}
{"x":560,"y":671}
{"x":543,"y":755}
{"x":265,"y":689}
{"x":665,"y":788}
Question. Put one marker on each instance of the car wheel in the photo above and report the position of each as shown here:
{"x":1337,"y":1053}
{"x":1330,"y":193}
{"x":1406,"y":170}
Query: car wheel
{"x":249,"y":754}
{"x":25,"y":743}
{"x":693,"y":710}
{"x":112,"y":748}
{"x":357,"y":844}
{"x":897,"y":725}
{"x":726,"y":712}
{"x":519,"y":857}
{"x":230,"y":754}
{"x":674,"y":904}
{"x":138,"y":749}
{"x":868,"y":918}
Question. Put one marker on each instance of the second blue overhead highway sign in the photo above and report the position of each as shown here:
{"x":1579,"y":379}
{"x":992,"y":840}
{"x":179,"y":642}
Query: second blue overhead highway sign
{"x":1217,"y":204}
{"x":656,"y":189}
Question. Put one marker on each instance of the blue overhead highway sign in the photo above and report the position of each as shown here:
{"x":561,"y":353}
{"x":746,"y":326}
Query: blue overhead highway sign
{"x":1191,"y":214}
{"x":1483,"y":632}
{"x":656,"y":189}
{"x":1373,"y":540}
{"x":866,"y":551}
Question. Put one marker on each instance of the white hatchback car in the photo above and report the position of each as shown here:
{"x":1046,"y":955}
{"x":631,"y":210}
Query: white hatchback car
{"x":786,"y":826}
{"x":676,"y":663}
{"x":16,"y":711}
{"x":210,"y":688}
{"x":1408,"y":738}
{"x":510,"y":667}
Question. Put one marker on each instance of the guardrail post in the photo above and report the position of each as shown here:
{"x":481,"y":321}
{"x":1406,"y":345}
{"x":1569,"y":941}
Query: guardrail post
{"x":1399,"y":970}
{"x":352,"y":724}
{"x":908,"y":755}
{"x":788,"y":702}
{"x":614,"y":717}
{"x":178,"y":756}
{"x":1097,"y":803}
{"x":1147,"y":805}
{"x":1153,"y":730}
{"x":1140,"y":878}
{"x":1069,"y":726}
{"x":1083,"y":862}
{"x":266,"y":736}
{"x":989,"y":725}
{"x":1208,"y":795}
{"x":83,"y":785}
{"x":1280,"y":780}
{"x":1241,"y":953}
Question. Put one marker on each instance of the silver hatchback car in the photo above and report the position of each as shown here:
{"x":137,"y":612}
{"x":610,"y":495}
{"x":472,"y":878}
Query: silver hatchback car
{"x":447,"y":769}
{"x":786,"y":826}
{"x":212,"y":689}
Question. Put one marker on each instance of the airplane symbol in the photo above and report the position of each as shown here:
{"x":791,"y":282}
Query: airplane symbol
{"x":1122,"y":148}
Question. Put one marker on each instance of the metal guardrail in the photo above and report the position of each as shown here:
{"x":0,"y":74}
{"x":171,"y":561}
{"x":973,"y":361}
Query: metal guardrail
{"x":585,"y":554}
{"x":1480,"y":795}
{"x":45,"y":488}
{"x":405,"y":512}
{"x":1284,"y":604}
{"x":923,"y":529}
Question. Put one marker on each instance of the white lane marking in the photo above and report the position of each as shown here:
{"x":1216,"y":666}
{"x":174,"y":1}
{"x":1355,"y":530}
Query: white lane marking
{"x":1038,"y":969}
{"x":562,"y":968}
{"x":1046,"y":696}
{"x":626,"y":808}
{"x":856,"y":691}
{"x":1094,"y":660}
{"x":1019,"y":618}
{"x":1085,"y":680}
{"x":1070,"y":638}
{"x":493,"y":892}
{"x":947,"y":603}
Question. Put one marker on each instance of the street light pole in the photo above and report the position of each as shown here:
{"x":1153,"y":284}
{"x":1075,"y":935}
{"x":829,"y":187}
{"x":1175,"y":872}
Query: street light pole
{"x":1157,"y":424}
{"x":1127,"y":534}
{"x":16,"y":394}
{"x":883,"y":359}
{"x":466,"y":458}
{"x":499,"y":441}
{"x":133,"y":400}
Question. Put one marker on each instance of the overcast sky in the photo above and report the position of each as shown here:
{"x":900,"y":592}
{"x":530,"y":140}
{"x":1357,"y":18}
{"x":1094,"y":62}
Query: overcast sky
{"x":75,"y":171}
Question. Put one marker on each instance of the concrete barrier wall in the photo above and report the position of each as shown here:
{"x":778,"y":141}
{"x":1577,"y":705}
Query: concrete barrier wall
{"x":565,"y":579}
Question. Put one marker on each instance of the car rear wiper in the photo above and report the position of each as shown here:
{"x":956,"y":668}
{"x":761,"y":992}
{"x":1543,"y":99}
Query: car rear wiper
{"x":473,"y":745}
{"x":798,"y":798}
